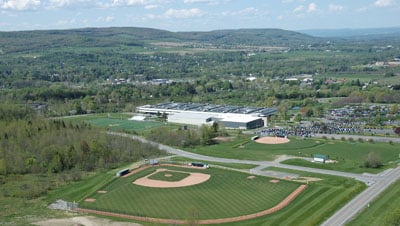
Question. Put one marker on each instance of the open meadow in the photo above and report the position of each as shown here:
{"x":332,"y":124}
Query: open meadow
{"x":349,"y":155}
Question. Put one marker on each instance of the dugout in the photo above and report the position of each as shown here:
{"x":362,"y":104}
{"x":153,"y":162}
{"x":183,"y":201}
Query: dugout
{"x":199,"y":164}
{"x":123,"y":172}
{"x":320,"y":158}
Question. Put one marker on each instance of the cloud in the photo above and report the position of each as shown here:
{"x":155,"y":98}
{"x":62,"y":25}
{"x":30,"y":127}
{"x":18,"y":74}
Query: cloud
{"x":312,"y":7}
{"x":131,"y":2}
{"x":151,"y":6}
{"x":333,"y":7}
{"x":197,"y":1}
{"x":56,"y":4}
{"x":20,"y":4}
{"x":383,"y":3}
{"x":298,"y":9}
{"x":183,"y":13}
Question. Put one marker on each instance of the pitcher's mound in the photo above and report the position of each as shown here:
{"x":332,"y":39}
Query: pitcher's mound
{"x":272,"y":140}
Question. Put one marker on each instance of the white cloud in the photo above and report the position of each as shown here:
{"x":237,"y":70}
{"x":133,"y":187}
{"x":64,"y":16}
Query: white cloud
{"x":20,"y":4}
{"x":383,"y":3}
{"x":131,"y":2}
{"x":151,"y":6}
{"x":312,"y":7}
{"x":197,"y":1}
{"x":55,"y":4}
{"x":333,"y":7}
{"x":183,"y":13}
{"x":298,"y":9}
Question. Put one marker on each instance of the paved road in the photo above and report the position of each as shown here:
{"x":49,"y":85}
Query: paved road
{"x":363,"y":199}
{"x":377,"y":183}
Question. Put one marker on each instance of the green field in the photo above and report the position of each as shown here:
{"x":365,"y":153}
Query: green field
{"x":123,"y":124}
{"x":225,"y":194}
{"x":349,"y":154}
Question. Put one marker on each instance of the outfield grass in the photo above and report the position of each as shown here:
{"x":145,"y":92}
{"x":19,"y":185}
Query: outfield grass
{"x":320,"y":200}
{"x":380,"y":209}
{"x":124,"y":125}
{"x":349,"y":154}
{"x":225,"y":194}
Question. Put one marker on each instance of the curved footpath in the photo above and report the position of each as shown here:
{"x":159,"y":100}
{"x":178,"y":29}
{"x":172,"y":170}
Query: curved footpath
{"x":377,"y":183}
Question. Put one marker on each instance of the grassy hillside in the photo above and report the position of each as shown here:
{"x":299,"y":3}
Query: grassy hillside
{"x":32,"y":41}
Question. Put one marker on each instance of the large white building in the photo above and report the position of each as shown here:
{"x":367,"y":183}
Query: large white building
{"x":232,"y":117}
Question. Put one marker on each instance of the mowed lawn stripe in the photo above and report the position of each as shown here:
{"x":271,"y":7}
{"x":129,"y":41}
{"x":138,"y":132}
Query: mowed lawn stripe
{"x":301,"y":205}
{"x":229,"y":193}
{"x":326,"y":197}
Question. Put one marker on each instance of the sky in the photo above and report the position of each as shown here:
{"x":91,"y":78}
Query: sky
{"x":198,"y":15}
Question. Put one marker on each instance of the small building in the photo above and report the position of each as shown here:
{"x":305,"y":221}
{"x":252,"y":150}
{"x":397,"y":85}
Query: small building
{"x":199,"y":164}
{"x":123,"y":172}
{"x":320,"y":158}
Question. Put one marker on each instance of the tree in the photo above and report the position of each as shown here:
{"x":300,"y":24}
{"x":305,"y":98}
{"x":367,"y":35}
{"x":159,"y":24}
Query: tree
{"x":373,"y":160}
{"x":397,"y":130}
{"x":206,"y":134}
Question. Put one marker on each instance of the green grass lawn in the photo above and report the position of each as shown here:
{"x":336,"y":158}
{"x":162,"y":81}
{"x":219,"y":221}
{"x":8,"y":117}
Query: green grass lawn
{"x":123,"y":124}
{"x":349,"y":154}
{"x":225,"y":194}
{"x":381,"y":209}
{"x":228,"y":189}
{"x":320,"y":200}
{"x":230,"y":193}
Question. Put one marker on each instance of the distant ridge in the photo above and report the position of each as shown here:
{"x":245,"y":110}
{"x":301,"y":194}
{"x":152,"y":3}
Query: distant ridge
{"x":348,"y":32}
{"x":133,"y":36}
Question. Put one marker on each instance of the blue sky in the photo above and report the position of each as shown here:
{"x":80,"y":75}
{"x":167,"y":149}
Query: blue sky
{"x":198,"y":15}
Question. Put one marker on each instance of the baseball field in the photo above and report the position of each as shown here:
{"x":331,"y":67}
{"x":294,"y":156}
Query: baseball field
{"x":220,"y":194}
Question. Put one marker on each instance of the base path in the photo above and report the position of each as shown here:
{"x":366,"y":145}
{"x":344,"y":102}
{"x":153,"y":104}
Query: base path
{"x":276,"y":208}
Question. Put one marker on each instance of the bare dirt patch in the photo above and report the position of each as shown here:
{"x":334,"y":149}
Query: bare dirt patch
{"x":101,"y":191}
{"x":274,"y":181}
{"x":272,"y":140}
{"x":306,"y":179}
{"x":82,"y":220}
{"x":90,"y":200}
{"x":192,"y":179}
{"x":251,"y":177}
